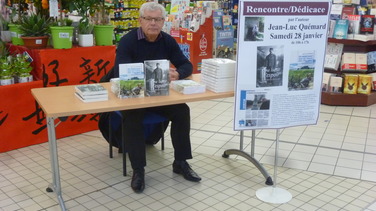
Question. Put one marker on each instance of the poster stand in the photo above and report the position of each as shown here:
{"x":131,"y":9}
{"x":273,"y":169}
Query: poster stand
{"x":274,"y":194}
{"x":249,"y":157}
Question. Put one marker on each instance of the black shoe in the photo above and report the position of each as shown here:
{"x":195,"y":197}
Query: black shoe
{"x":138,"y":180}
{"x":183,"y":168}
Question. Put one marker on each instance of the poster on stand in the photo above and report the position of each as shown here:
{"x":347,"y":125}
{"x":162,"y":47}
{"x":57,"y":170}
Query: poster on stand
{"x":280,"y":63}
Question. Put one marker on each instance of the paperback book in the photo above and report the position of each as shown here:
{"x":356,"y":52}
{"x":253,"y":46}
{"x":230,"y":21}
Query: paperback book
{"x":92,"y":98}
{"x":367,"y":24}
{"x":90,"y":89}
{"x":365,"y":84}
{"x":187,"y":86}
{"x":341,"y":29}
{"x":350,"y":85}
{"x":131,"y":80}
{"x":333,"y":55}
{"x":157,"y":77}
{"x":354,"y":26}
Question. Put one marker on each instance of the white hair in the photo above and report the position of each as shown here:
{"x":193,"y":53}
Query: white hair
{"x":152,"y":6}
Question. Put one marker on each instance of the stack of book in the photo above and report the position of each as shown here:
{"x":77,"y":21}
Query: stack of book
{"x":218,"y":74}
{"x":91,"y":92}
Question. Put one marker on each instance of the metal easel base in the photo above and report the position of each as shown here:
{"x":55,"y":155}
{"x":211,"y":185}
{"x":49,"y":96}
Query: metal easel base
{"x":249,"y":157}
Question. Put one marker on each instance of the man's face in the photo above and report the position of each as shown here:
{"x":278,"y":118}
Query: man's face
{"x":151,"y":24}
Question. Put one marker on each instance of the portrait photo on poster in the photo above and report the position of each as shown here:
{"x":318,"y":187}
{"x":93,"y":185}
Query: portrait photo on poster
{"x":254,"y":29}
{"x":270,"y":61}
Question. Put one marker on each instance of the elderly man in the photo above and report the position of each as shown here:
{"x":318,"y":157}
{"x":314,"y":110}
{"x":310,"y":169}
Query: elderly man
{"x":148,"y":42}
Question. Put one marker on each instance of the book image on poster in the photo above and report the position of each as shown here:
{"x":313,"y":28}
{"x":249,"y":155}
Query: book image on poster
{"x":131,"y":80}
{"x":254,"y":29}
{"x":257,"y":109}
{"x":157,"y":77}
{"x":269,"y":66}
{"x":301,"y":70}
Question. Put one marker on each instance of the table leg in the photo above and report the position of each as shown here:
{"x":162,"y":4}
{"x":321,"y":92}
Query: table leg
{"x":56,"y":185}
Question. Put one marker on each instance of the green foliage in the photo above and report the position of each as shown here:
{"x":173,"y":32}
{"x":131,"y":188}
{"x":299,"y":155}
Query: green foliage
{"x":35,"y":25}
{"x":21,"y":66}
{"x":6,"y":68}
{"x":3,"y":24}
{"x":85,"y":28}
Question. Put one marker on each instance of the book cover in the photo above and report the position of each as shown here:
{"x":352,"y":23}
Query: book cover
{"x":227,"y":22}
{"x":362,"y":10}
{"x":131,"y":80}
{"x":365,"y":84}
{"x":341,"y":29}
{"x":217,"y":23}
{"x":373,"y":80}
{"x":346,"y":11}
{"x":91,"y":89}
{"x":157,"y":77}
{"x":325,"y":81}
{"x":333,"y":55}
{"x":350,"y":85}
{"x":348,"y":62}
{"x":88,"y":99}
{"x":187,"y":86}
{"x":371,"y":61}
{"x":335,"y":84}
{"x":336,"y":11}
{"x":354,"y":26}
{"x":224,"y":44}
{"x":361,"y":62}
{"x":366,"y":24}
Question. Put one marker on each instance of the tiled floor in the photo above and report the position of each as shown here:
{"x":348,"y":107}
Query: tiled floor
{"x":328,"y":166}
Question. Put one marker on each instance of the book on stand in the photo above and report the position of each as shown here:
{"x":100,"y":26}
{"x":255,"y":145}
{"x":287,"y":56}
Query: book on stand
{"x":91,"y":92}
{"x":335,"y":84}
{"x":333,"y":55}
{"x":325,"y":81}
{"x":341,"y":28}
{"x":336,"y":11}
{"x":350,"y":85}
{"x":348,"y":62}
{"x":361,"y":62}
{"x":131,"y":80}
{"x":364,"y":84}
{"x":346,"y":11}
{"x":354,"y":26}
{"x":367,"y":24}
{"x":157,"y":77}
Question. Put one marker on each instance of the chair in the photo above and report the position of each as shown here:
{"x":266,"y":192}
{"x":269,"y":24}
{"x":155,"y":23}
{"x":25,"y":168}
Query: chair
{"x":150,"y":121}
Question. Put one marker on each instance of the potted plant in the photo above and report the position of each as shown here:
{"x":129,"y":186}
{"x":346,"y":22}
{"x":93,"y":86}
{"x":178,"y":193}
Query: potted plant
{"x":22,"y":69}
{"x":84,"y":8}
{"x":62,"y":32}
{"x":6,"y":71}
{"x":103,"y":31}
{"x":85,"y":34}
{"x":35,"y":30}
{"x":14,"y":26}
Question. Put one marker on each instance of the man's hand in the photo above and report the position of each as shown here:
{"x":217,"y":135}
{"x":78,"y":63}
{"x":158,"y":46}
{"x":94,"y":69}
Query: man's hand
{"x":174,"y":75}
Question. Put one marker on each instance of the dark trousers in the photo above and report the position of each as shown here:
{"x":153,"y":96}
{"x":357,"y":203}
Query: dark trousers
{"x":179,"y":115}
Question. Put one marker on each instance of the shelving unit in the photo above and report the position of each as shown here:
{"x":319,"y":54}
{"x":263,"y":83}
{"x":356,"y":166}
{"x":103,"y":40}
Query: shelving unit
{"x":341,"y":99}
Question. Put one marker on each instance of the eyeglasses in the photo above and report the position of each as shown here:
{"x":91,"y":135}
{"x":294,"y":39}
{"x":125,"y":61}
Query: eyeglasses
{"x":150,"y":19}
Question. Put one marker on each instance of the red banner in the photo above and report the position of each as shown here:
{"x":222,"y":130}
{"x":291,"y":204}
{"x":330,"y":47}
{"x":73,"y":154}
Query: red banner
{"x":22,"y":122}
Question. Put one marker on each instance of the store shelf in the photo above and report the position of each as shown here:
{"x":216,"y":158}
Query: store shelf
{"x":341,"y":99}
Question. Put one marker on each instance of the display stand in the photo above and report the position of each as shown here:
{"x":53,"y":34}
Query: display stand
{"x":250,"y":157}
{"x":197,"y":45}
{"x":274,"y":194}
